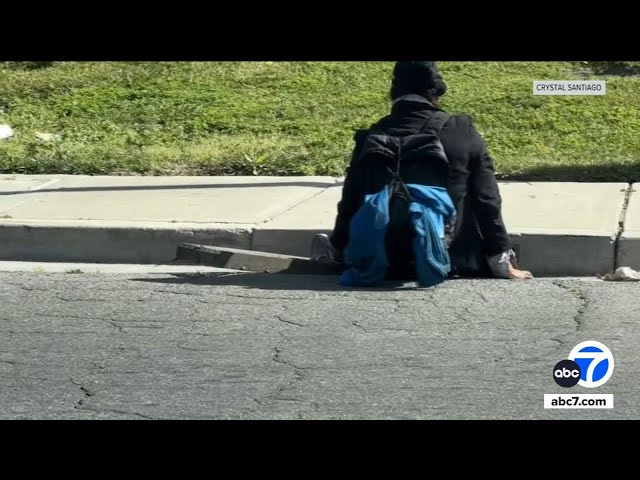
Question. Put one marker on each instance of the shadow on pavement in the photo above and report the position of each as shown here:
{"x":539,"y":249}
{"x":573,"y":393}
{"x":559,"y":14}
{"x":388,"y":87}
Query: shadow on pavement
{"x":124,"y":188}
{"x":270,"y":281}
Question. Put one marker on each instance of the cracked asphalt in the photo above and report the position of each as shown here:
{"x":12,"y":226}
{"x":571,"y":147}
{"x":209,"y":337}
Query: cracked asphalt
{"x":259,"y":346}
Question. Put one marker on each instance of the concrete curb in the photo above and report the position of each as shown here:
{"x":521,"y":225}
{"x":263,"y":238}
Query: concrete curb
{"x":557,"y":229}
{"x":111,"y":244}
{"x":550,"y":254}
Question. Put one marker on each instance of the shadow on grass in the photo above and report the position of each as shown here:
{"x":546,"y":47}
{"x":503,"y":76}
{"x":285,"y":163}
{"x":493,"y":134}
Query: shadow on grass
{"x":619,"y":69}
{"x":612,"y":173}
{"x":27,"y":65}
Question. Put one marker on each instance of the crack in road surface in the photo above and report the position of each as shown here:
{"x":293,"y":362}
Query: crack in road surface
{"x":113,"y":324}
{"x":357,"y":325}
{"x":173,"y":292}
{"x":86,"y":391}
{"x":297,"y":371}
{"x":483,"y":297}
{"x":113,"y":321}
{"x":80,"y":405}
{"x":463,"y":316}
{"x":12,"y":362}
{"x":275,"y":396}
{"x":582,"y":308}
{"x":278,"y":317}
{"x":120,"y":412}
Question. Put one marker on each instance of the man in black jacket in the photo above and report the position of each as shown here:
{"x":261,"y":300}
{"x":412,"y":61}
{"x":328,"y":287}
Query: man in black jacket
{"x":480,"y":244}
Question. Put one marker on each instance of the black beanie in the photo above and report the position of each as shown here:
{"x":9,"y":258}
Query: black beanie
{"x":422,"y":78}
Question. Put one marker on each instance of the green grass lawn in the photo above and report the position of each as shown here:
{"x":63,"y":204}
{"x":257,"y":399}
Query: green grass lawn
{"x":298,"y":118}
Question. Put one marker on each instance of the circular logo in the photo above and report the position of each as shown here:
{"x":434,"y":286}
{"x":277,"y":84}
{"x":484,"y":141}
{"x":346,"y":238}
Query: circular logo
{"x":566,"y":373}
{"x":595,"y":361}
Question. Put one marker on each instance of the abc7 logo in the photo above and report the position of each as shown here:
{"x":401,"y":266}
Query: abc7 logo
{"x":566,"y":373}
{"x":590,"y":364}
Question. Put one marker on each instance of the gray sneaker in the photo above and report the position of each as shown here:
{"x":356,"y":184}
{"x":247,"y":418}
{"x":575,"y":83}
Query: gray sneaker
{"x":322,"y":250}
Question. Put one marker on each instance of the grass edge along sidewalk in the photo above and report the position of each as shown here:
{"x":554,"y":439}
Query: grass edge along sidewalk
{"x":298,"y":118}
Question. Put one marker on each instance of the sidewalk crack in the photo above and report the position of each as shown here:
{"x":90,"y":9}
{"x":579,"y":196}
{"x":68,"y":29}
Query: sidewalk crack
{"x":621,"y":220}
{"x":284,"y":212}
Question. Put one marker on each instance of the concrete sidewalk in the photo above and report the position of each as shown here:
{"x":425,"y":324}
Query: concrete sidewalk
{"x":558,"y":229}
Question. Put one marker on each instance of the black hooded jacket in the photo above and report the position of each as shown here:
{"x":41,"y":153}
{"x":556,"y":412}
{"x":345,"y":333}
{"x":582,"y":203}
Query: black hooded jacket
{"x":480,"y":230}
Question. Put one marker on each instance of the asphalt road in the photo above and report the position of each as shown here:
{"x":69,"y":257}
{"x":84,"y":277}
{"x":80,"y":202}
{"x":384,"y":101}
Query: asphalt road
{"x":245,"y":346}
